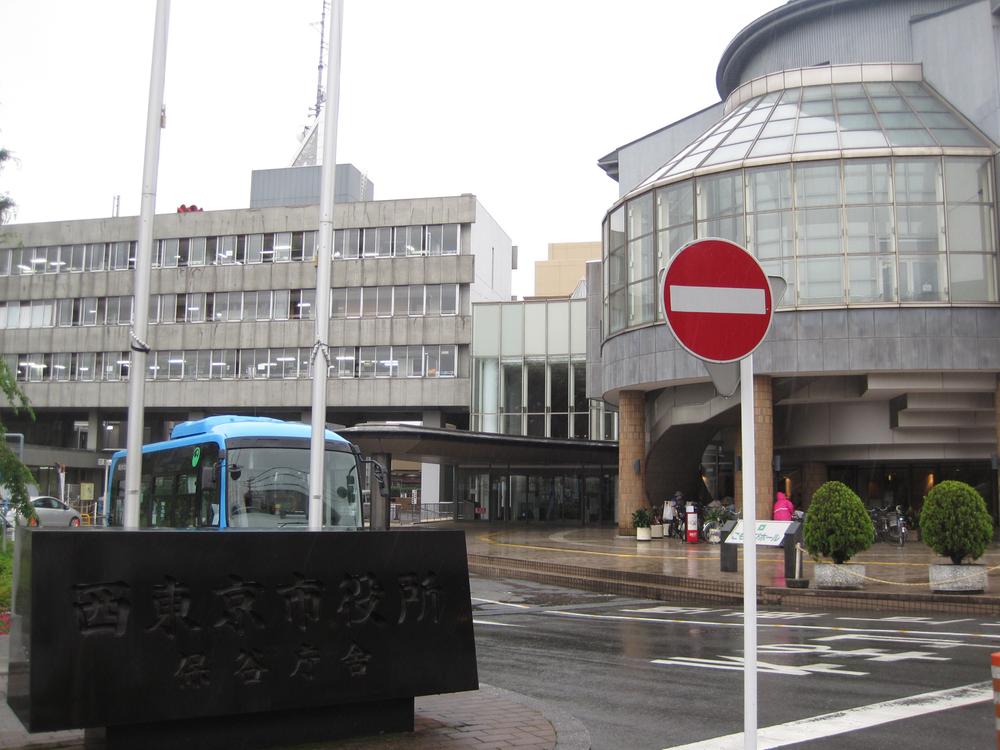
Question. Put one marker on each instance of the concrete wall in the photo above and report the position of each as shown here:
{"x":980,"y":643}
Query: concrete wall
{"x":952,"y":43}
{"x":831,"y":32}
{"x":560,"y":274}
{"x":494,"y":258}
{"x":300,"y":186}
{"x":639,"y":159}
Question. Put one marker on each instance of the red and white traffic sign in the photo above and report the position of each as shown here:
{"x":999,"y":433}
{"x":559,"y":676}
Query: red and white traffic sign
{"x":717,"y":300}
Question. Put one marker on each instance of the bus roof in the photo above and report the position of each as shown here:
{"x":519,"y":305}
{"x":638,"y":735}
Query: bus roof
{"x":226,"y":426}
{"x":234,"y":425}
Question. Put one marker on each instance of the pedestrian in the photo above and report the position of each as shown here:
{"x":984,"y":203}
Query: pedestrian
{"x":783,"y":508}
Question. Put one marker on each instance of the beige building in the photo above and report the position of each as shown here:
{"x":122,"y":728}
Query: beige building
{"x":565,"y":268}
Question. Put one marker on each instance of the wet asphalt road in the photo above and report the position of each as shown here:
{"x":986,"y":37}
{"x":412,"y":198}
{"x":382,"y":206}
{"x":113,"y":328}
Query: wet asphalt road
{"x":641,"y":674}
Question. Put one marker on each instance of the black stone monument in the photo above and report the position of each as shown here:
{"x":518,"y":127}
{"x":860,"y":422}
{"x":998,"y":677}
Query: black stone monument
{"x":236,"y":639}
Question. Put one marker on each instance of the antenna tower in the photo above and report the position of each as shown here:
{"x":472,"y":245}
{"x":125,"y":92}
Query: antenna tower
{"x":320,"y":91}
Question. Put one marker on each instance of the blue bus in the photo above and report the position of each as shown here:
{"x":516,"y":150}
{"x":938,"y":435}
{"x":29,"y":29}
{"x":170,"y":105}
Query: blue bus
{"x":238,"y":472}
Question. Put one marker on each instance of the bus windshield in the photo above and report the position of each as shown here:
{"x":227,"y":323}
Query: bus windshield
{"x":268,"y":487}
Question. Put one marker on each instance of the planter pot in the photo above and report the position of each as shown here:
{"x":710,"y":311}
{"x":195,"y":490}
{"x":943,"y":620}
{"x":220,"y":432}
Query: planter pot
{"x":656,"y":531}
{"x":643,"y":534}
{"x":963,"y":579}
{"x":843,"y":576}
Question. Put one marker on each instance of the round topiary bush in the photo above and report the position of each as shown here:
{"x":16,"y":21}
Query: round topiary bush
{"x":954,"y":521}
{"x":837,"y":524}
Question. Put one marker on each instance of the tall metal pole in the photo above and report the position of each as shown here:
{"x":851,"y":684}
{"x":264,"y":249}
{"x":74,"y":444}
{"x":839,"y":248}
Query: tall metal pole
{"x":143,"y":263}
{"x":320,"y":355}
{"x":749,"y":554}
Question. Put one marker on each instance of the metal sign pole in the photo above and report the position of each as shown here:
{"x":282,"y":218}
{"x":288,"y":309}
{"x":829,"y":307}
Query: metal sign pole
{"x":749,"y":555}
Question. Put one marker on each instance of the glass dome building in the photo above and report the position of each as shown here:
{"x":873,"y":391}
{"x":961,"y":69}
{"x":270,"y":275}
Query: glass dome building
{"x":873,"y":196}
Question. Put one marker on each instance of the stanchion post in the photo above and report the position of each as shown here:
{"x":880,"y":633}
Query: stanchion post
{"x":996,"y":692}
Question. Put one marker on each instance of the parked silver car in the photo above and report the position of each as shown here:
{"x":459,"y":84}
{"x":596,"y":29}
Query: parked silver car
{"x":51,"y":511}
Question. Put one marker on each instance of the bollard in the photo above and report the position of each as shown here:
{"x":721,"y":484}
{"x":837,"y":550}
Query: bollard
{"x":996,"y":692}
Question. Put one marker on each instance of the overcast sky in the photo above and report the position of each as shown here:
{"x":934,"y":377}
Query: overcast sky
{"x":512,"y":101}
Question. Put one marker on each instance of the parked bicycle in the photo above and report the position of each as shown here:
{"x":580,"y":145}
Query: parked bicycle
{"x":890,"y":524}
{"x":715,"y":518}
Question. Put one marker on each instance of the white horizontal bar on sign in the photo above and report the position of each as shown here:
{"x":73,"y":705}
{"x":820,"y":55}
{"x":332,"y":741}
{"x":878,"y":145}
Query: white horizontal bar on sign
{"x":717,"y":299}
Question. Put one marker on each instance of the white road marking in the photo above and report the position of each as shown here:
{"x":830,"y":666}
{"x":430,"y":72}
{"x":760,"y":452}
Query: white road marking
{"x":717,"y":299}
{"x":853,"y":719}
{"x":503,"y":604}
{"x":668,"y":610}
{"x":823,"y":651}
{"x":929,"y":642}
{"x":913,"y":620}
{"x":498,"y":624}
{"x":907,"y":634}
{"x":735,"y":664}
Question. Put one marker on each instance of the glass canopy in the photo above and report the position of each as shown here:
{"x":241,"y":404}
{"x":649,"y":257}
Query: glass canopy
{"x":840,"y":119}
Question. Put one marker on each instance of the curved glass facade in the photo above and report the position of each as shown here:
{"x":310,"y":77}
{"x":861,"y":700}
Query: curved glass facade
{"x":908,"y":220}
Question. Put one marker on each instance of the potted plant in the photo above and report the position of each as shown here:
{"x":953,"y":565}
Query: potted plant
{"x":656,"y":527}
{"x":837,"y":526}
{"x":954,"y":523}
{"x":642,"y":520}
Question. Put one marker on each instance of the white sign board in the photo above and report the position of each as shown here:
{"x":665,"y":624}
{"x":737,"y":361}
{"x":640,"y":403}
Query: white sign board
{"x":767,"y":533}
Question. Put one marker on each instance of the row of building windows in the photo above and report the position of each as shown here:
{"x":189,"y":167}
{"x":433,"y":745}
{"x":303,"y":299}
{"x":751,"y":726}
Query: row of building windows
{"x":514,"y":397}
{"x":199,"y":307}
{"x":238,"y":249}
{"x":417,"y":361}
{"x":840,"y":232}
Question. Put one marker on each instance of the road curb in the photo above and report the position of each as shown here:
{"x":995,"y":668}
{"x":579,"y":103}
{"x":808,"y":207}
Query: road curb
{"x":571,"y":734}
{"x":669,"y":588}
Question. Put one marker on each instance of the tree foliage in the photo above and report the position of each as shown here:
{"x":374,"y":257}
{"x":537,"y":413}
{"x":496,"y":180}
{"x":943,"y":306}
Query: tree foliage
{"x":837,"y":524}
{"x":14,"y":475}
{"x":6,"y":202}
{"x":954,"y":521}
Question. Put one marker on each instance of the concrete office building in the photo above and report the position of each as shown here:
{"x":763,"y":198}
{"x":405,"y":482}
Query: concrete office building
{"x":231,"y":320}
{"x":854,"y":152}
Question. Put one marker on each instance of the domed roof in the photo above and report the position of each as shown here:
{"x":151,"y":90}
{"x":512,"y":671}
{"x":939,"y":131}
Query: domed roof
{"x":828,"y":112}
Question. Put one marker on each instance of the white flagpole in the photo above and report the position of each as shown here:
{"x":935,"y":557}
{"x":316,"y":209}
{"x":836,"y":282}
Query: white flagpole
{"x":143,"y":264}
{"x":320,"y":355}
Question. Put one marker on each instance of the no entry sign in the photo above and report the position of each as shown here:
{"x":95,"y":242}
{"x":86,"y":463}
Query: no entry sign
{"x":717,"y":300}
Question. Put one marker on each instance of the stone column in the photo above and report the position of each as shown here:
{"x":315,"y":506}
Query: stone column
{"x":763,"y":418}
{"x":430,"y":474}
{"x":631,"y":454}
{"x":93,"y":429}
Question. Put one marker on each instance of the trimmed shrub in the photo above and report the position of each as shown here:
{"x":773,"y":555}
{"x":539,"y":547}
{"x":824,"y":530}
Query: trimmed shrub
{"x":954,"y":521}
{"x":837,"y":524}
{"x":641,"y":518}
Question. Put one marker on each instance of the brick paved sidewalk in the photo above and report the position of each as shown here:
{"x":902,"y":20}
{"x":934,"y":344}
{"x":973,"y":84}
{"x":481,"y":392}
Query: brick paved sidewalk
{"x":484,"y":719}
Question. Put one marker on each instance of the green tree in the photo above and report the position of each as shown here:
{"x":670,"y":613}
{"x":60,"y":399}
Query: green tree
{"x":837,"y":525}
{"x":954,"y":521}
{"x":14,"y":475}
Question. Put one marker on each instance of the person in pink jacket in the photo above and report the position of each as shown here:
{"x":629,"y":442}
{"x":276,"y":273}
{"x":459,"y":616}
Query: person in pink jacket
{"x":783,"y":508}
